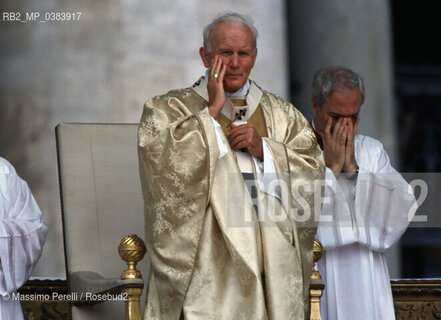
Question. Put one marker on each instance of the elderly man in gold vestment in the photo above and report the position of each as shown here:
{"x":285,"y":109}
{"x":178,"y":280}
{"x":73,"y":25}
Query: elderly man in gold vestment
{"x":218,"y":249}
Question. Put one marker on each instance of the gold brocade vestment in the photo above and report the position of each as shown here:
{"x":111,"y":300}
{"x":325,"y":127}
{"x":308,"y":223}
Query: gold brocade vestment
{"x":201,"y":264}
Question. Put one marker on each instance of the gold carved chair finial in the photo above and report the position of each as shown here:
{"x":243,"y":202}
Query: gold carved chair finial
{"x":132,"y":249}
{"x":317,"y":254}
{"x":317,"y":283}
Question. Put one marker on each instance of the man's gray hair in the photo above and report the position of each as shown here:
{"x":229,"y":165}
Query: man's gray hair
{"x":233,"y":18}
{"x":326,"y":81}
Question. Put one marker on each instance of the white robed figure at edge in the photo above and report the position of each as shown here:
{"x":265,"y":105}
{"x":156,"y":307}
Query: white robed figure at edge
{"x":22,"y":234}
{"x":367,"y":204}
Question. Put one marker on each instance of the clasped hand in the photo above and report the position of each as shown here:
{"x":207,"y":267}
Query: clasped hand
{"x":246,"y":136}
{"x":338,"y":145}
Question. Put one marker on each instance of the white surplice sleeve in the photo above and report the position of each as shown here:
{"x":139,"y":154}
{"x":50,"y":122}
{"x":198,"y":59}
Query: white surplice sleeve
{"x":373,"y":210}
{"x":22,"y":232}
{"x":221,"y":144}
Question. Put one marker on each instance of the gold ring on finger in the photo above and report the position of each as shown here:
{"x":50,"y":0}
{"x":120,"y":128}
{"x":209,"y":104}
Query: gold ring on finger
{"x":215,"y":76}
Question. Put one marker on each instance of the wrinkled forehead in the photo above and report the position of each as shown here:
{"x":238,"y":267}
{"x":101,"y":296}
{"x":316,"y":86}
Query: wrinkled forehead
{"x":226,"y":32}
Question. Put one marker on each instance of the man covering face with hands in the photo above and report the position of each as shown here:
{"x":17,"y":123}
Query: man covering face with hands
{"x":337,"y":122}
{"x":367,"y":204}
{"x":215,"y":252}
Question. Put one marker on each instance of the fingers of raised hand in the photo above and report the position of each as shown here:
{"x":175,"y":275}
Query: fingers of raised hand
{"x":350,"y":127}
{"x":340,"y":131}
{"x":350,"y":139}
{"x":328,"y":125}
{"x":214,"y":68}
{"x":217,"y":69}
{"x":353,"y":125}
{"x":337,"y":127}
{"x":222,"y":72}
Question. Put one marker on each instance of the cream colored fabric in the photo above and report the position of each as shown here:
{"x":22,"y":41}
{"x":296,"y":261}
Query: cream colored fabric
{"x":203,"y":265}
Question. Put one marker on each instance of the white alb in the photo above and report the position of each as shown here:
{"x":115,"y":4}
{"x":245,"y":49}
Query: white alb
{"x":361,"y":218}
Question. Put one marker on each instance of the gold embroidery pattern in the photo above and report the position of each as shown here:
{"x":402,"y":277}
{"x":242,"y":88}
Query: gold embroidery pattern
{"x":175,"y":133}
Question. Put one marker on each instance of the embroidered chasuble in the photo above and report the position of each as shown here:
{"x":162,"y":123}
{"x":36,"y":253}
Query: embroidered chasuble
{"x":212,"y":255}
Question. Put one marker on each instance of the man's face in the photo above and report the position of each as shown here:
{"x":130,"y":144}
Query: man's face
{"x":340,"y":104}
{"x":234,"y":44}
